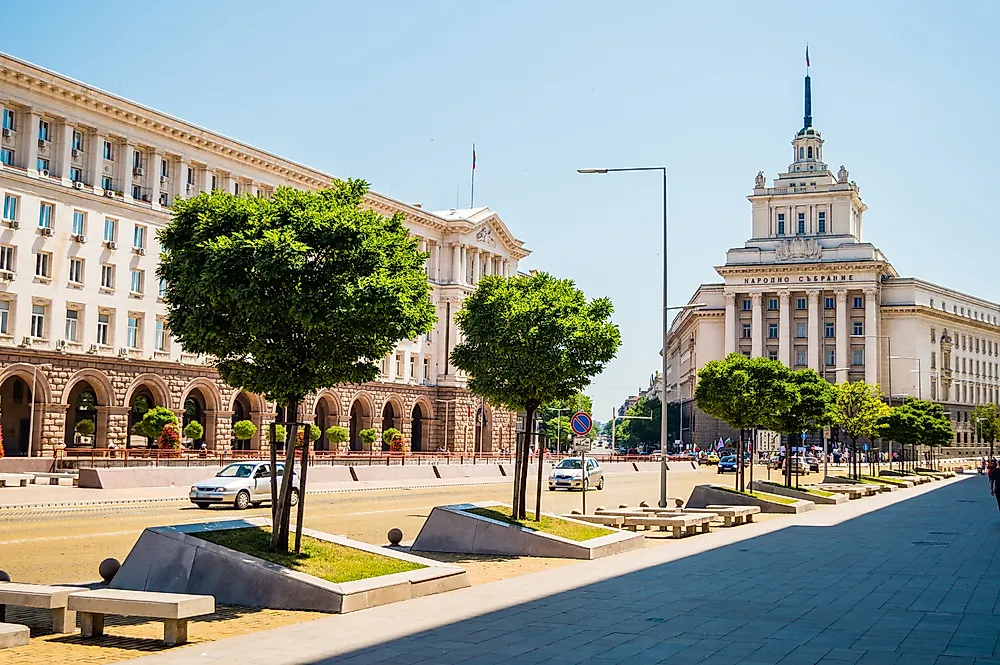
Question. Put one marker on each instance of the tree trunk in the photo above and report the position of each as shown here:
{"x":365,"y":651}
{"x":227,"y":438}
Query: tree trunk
{"x":517,"y":472}
{"x":302,"y":493}
{"x":279,"y":529}
{"x":529,"y":416}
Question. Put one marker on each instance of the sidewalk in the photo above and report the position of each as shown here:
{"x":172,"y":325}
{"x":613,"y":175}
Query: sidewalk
{"x":904,"y":577}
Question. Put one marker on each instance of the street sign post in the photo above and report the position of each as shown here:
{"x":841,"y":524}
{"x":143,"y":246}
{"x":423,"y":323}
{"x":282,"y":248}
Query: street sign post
{"x":581,"y":424}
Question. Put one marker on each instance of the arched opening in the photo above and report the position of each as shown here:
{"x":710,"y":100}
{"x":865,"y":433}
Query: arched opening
{"x":809,"y":152}
{"x":484,"y":430}
{"x":82,"y":402}
{"x":15,"y":396}
{"x":388,"y":420}
{"x":360,"y":418}
{"x":194,"y":411}
{"x":326,"y":416}
{"x":241,"y":411}
{"x":802,"y":153}
{"x":417,"y":429}
{"x":141,"y":402}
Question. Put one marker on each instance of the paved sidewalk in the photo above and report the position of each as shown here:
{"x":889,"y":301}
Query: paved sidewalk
{"x":907,"y":577}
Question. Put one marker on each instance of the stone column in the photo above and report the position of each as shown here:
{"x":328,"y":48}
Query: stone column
{"x":783,"y":332}
{"x":64,"y":151}
{"x":153,"y":178}
{"x":126,"y":155}
{"x":179,"y":179}
{"x":730,"y":323}
{"x":31,"y":142}
{"x":96,"y":159}
{"x":476,"y":265}
{"x":115,"y":425}
{"x":206,"y":179}
{"x":871,"y":342}
{"x":843,"y":335}
{"x":456,"y":263}
{"x":756,"y":327}
{"x":812,"y":331}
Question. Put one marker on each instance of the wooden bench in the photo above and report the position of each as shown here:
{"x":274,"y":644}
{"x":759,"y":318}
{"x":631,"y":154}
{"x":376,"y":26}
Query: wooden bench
{"x":42,"y":597}
{"x":173,"y":608}
{"x":681,"y":525}
{"x":600,"y":518}
{"x":14,"y":479}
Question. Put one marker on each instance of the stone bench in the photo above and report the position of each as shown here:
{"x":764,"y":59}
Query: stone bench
{"x":623,"y":512}
{"x":13,"y":635}
{"x":14,"y":479}
{"x":728,"y":515}
{"x":600,"y":518}
{"x":852,"y":491}
{"x":41,"y":597}
{"x":681,"y":525}
{"x":173,"y":608}
{"x":55,"y":479}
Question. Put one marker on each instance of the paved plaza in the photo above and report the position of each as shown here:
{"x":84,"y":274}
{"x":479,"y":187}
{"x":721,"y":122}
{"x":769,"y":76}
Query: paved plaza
{"x":907,"y":577}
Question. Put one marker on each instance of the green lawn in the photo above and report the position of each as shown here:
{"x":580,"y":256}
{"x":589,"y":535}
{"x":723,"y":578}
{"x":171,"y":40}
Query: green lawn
{"x":807,"y":490}
{"x":763,"y":496}
{"x":329,"y":561}
{"x":550,"y":525}
{"x":889,"y":480}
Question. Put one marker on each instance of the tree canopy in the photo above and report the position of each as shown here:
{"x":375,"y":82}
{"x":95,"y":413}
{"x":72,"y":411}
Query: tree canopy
{"x":637,"y":431}
{"x":858,"y":410}
{"x":985,"y":421}
{"x":808,"y":410}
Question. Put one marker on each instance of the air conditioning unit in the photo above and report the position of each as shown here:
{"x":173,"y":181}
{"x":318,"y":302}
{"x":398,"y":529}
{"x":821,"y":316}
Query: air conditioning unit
{"x":14,"y":224}
{"x":163,"y":179}
{"x":61,"y":344}
{"x":92,"y":349}
{"x":137,"y":170}
{"x":111,"y":244}
{"x":47,"y":231}
{"x":141,"y":251}
{"x":76,"y":153}
{"x":78,"y":184}
{"x":79,"y":237}
{"x":110,"y":193}
{"x":123,"y":351}
{"x":6,"y":276}
{"x":41,"y":143}
{"x":6,"y":133}
{"x":26,"y":341}
{"x":44,"y":172}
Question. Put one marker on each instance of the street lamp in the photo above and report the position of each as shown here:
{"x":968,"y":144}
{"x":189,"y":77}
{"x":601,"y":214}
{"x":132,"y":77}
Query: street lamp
{"x":979,"y":432}
{"x":31,"y":420}
{"x":919,"y":381}
{"x":446,"y":403}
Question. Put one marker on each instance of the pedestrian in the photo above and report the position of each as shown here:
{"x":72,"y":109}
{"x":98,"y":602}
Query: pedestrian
{"x":994,"y":476}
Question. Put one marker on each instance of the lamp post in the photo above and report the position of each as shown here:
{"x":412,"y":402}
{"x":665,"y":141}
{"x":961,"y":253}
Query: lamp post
{"x":559,"y":427}
{"x":888,"y":345}
{"x":446,"y":403}
{"x":979,"y":431}
{"x":31,"y":420}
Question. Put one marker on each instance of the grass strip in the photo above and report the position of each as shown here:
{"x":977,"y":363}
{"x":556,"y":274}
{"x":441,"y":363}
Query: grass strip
{"x":330,"y":561}
{"x":763,"y":496}
{"x":807,"y":490}
{"x":548,"y":524}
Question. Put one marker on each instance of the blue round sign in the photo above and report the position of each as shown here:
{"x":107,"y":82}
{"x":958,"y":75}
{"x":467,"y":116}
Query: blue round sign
{"x":581,"y":423}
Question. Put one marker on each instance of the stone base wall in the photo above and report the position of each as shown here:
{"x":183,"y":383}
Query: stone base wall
{"x":440,"y":416}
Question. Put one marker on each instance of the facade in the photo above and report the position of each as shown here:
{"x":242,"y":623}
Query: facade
{"x":806,"y":289}
{"x":87,"y":179}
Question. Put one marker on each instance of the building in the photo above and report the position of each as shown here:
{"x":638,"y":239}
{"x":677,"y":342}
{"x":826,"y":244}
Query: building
{"x":87,"y":178}
{"x":806,"y":289}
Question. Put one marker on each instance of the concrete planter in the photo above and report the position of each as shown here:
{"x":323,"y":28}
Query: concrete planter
{"x":781,"y":490}
{"x":704,"y":496}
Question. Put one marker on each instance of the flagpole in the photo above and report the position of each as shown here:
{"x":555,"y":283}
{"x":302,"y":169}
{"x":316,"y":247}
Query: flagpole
{"x":472,"y":201}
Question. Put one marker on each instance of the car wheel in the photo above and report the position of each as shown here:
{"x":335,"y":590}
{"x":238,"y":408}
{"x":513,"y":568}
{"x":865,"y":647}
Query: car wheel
{"x":242,"y":501}
{"x":600,"y":484}
{"x":295,"y":497}
{"x":202,"y":505}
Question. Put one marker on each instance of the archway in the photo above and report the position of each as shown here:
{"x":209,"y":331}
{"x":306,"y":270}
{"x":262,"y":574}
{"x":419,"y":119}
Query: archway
{"x":194,"y":410}
{"x":388,"y":420}
{"x":142,"y":400}
{"x":484,"y":430}
{"x":326,"y":416}
{"x":360,"y":419}
{"x":15,"y":396}
{"x":82,"y":401}
{"x":241,"y":411}
{"x":417,"y":429}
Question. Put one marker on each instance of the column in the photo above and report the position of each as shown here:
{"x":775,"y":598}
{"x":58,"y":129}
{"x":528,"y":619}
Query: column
{"x":783,"y":332}
{"x":179,"y":179}
{"x":842,"y":334}
{"x":125,"y":157}
{"x":120,"y":321}
{"x":435,"y":262}
{"x":730,"y":323}
{"x":488,"y":266}
{"x":812,"y":331}
{"x":456,"y":263}
{"x":871,"y":343}
{"x":476,"y":265}
{"x":152,"y":178}
{"x":96,"y":160}
{"x":147,"y":334}
{"x":31,"y":142}
{"x":64,"y":152}
{"x":206,"y":179}
{"x":756,"y":327}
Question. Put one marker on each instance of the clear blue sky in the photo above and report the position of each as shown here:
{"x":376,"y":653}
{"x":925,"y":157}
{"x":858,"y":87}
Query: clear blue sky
{"x":906,"y":95}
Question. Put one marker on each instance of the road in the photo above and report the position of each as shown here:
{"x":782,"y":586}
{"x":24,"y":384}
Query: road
{"x":66,"y":544}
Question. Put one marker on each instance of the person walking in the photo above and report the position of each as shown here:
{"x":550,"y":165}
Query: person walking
{"x":994,"y":476}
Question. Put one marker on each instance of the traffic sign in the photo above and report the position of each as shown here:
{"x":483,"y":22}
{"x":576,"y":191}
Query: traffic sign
{"x":581,"y":423}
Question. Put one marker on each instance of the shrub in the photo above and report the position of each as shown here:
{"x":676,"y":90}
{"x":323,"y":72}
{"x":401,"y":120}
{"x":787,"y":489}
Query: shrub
{"x":314,"y":433}
{"x":279,"y":434}
{"x":390,"y":435}
{"x":86,"y":427}
{"x":194,"y":430}
{"x":336,"y":434}
{"x":244,"y":430}
{"x":170,"y":437}
{"x":368,"y":437}
{"x":154,"y":420}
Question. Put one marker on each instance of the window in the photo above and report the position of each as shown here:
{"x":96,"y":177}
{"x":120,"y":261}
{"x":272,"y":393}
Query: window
{"x":161,"y":336}
{"x":828,"y":303}
{"x":7,"y":156}
{"x":42,"y":165}
{"x":781,"y":224}
{"x":109,"y":151}
{"x":43,"y":130}
{"x":413,"y":366}
{"x":75,"y":174}
{"x":190,"y":179}
{"x":801,"y":228}
{"x":10,"y":208}
{"x":800,"y":303}
{"x":746,"y":304}
{"x":427,"y":369}
{"x":109,"y":229}
{"x":38,"y":321}
{"x":772,"y":354}
{"x":859,"y":357}
{"x":4,"y":317}
{"x":135,"y":286}
{"x":821,"y":221}
{"x":800,"y":329}
{"x":932,"y":302}
{"x":137,"y":159}
{"x":800,"y":357}
{"x":45,"y":216}
{"x":7,"y":258}
{"x":859,"y":328}
{"x":236,"y":188}
{"x":802,"y":153}
{"x":164,"y":168}
{"x":163,"y":288}
{"x":43,"y":265}
{"x":8,"y":120}
{"x":215,"y":183}
{"x":132,"y":334}
{"x":933,"y":334}
{"x":77,"y":140}
{"x":139,"y":237}
{"x":137,"y":192}
{"x":746,"y":331}
{"x":830,"y":358}
{"x":772,"y":304}
{"x":106,"y":183}
{"x":72,"y":321}
{"x":103,"y":324}
{"x":79,"y":222}
{"x":76,"y":271}
{"x":772,"y":331}
{"x":829,"y":330}
{"x":107,"y":276}
{"x":859,"y":302}
{"x":399,"y":365}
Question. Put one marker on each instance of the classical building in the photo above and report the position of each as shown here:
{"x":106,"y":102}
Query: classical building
{"x":87,"y":178}
{"x":806,"y":289}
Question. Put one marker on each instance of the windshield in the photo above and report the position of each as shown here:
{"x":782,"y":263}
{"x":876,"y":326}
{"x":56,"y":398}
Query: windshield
{"x":236,"y":471}
{"x":729,"y":458}
{"x":569,"y":464}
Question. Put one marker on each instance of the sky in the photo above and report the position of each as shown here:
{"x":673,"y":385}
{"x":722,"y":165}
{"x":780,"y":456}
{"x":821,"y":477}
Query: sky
{"x":905,"y":94}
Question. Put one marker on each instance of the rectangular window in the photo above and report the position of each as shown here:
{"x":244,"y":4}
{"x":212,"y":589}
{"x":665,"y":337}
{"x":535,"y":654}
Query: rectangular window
{"x":413,"y":366}
{"x":800,"y":329}
{"x":746,"y":331}
{"x":107,"y":276}
{"x":427,"y":369}
{"x":43,"y":264}
{"x":10,"y":208}
{"x":103,"y":326}
{"x":772,"y":304}
{"x":7,"y":258}
{"x":45,"y":216}
{"x":137,"y":192}
{"x":859,"y":302}
{"x":132,"y":335}
{"x":821,"y":221}
{"x":828,"y":303}
{"x":38,"y":321}
{"x":109,"y":229}
{"x":136,"y":283}
{"x":77,"y":140}
{"x":781,"y":225}
{"x":139,"y":237}
{"x":215,"y":183}
{"x":8,"y":119}
{"x":106,"y":183}
{"x":933,"y":334}
{"x":42,"y":165}
{"x":7,"y":156}
{"x":772,"y":354}
{"x":399,"y":366}
{"x":72,"y":323}
{"x":801,"y":223}
{"x":800,"y":303}
{"x":164,"y":168}
{"x":859,"y":328}
{"x":831,"y":358}
{"x":828,"y":330}
{"x":772,"y":331}
{"x":137,"y":159}
{"x":109,"y":151}
{"x":800,"y":357}
{"x":859,"y":357}
{"x":75,"y":174}
{"x":43,"y":130}
{"x":76,"y":271}
{"x":163,"y":288}
{"x":236,"y":188}
{"x":79,"y":222}
{"x":932,"y":302}
{"x":746,"y":305}
{"x":190,"y":179}
{"x":4,"y":317}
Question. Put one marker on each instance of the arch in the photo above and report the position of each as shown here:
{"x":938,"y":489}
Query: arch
{"x":156,"y":386}
{"x":391,"y":418}
{"x":418,"y":431}
{"x":25,"y":371}
{"x":256,"y":401}
{"x":81,"y":407}
{"x":326,"y":412}
{"x":483,"y":433}
{"x":18,"y":431}
{"x":210,"y":392}
{"x":247,"y":406}
{"x":397,"y":405}
{"x":360,"y":415}
{"x":801,"y":153}
{"x":809,"y":152}
{"x":98,"y":380}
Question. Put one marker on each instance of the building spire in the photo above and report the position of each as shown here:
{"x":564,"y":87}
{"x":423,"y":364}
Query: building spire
{"x":807,"y":120}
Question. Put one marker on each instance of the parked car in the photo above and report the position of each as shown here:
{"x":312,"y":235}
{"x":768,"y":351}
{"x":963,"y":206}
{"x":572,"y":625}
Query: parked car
{"x":568,"y":474}
{"x":813,"y":464}
{"x":242,"y":484}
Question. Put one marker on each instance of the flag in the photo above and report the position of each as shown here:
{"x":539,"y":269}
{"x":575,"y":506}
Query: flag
{"x":807,"y":64}
{"x":474,"y":146}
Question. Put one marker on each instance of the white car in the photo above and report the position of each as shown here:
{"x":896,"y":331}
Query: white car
{"x":568,"y":475}
{"x":242,"y":484}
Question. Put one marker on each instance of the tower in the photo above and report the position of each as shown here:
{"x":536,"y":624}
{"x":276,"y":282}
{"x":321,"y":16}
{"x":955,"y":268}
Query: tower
{"x":807,"y":147}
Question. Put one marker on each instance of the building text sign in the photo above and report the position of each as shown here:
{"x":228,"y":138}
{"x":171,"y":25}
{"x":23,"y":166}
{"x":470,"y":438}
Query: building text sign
{"x":800,"y":279}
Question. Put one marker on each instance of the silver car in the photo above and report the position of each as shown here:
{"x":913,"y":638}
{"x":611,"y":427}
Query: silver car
{"x":242,"y":484}
{"x":568,"y":475}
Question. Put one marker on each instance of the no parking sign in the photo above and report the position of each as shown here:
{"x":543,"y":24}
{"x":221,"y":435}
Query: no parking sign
{"x":581,"y":423}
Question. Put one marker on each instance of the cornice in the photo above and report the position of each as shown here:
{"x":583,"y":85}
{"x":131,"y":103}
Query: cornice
{"x":938,"y":315}
{"x":771,"y":268}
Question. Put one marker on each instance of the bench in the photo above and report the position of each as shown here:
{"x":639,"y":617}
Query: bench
{"x":14,"y":479}
{"x":640,"y":512}
{"x":681,"y":525}
{"x":852,"y":491}
{"x":173,"y":608}
{"x":55,"y":479}
{"x":604,"y":520}
{"x":729,"y":515}
{"x":41,"y":597}
{"x":13,"y":635}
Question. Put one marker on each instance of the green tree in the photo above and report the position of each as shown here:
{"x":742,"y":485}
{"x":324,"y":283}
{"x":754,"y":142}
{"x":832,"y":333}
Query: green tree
{"x":84,"y":427}
{"x":808,"y":410}
{"x":564,"y":409}
{"x":368,"y":437}
{"x":746,"y":393}
{"x":194,"y":430}
{"x":244,"y":430}
{"x":388,"y":436}
{"x":530,"y":340}
{"x":985,"y":421}
{"x":636,"y":431}
{"x":154,"y":420}
{"x":336,"y":435}
{"x":858,"y":410}
{"x":292,"y":293}
{"x":279,"y":434}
